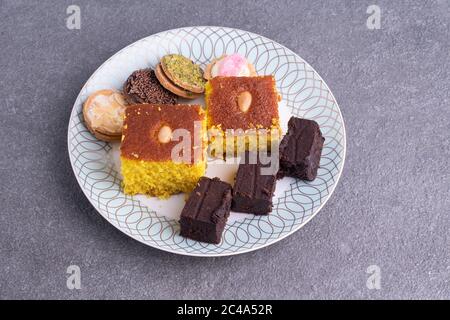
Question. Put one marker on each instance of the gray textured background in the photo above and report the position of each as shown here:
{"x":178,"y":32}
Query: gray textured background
{"x":391,"y":207}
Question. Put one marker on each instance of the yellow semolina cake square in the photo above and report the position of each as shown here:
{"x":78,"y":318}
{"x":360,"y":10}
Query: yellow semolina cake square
{"x":242,"y":114}
{"x":163,"y":149}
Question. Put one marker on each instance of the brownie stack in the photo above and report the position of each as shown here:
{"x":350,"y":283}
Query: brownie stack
{"x":208,"y":207}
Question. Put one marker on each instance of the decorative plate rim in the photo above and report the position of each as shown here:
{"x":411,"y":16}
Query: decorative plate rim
{"x":206,"y":255}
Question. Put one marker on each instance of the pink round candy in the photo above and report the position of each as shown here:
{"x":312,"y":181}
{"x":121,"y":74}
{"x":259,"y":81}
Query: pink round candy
{"x":232,"y":66}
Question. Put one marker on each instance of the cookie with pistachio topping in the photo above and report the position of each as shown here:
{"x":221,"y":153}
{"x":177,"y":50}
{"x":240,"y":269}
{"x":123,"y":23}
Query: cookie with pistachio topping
{"x":183,"y":72}
{"x":169,"y":85}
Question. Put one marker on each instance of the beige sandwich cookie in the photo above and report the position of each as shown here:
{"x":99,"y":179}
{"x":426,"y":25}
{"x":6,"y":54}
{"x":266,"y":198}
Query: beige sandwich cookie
{"x":103,"y":113}
{"x":183,"y":72}
{"x":169,"y":85}
{"x":105,"y":137}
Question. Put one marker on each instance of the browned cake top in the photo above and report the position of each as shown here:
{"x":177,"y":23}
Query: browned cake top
{"x":148,"y":130}
{"x":223,"y":102}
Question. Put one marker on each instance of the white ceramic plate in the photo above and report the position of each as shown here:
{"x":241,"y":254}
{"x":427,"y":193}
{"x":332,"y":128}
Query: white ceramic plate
{"x":154,"y":222}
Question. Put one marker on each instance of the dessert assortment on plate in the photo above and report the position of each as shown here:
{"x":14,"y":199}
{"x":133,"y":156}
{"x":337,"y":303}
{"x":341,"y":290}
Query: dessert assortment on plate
{"x":165,"y":145}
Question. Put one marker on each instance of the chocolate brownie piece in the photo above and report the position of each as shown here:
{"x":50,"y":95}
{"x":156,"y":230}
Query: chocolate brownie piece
{"x":254,"y":187}
{"x":300,"y":149}
{"x":206,"y":211}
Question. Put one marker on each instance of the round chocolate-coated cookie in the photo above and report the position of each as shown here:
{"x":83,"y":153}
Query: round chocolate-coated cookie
{"x":142,"y":86}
